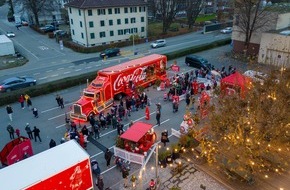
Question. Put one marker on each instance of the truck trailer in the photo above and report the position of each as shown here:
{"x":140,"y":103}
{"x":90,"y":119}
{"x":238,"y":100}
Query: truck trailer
{"x":66,"y":166}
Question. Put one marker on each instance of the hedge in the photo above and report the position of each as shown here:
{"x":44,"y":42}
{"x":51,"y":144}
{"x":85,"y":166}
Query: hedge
{"x":54,"y":86}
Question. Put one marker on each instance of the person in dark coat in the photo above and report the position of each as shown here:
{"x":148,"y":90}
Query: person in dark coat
{"x":9,"y":112}
{"x":100,"y":183}
{"x":35,"y":112}
{"x":52,"y":143}
{"x":158,"y":115}
{"x":164,"y":137}
{"x":11,"y":131}
{"x":36,"y":132}
{"x":61,"y":102}
{"x":85,"y":130}
{"x":108,"y":156}
{"x":58,"y":99}
{"x":28,"y":131}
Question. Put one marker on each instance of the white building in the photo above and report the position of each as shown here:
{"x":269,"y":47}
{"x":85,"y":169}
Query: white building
{"x":6,"y":46}
{"x":99,"y":22}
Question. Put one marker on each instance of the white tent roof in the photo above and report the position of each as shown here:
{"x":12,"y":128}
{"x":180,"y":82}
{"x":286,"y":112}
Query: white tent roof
{"x":41,"y":166}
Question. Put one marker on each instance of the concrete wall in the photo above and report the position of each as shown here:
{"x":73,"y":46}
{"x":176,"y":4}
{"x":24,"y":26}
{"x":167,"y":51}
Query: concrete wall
{"x":275,"y":50}
{"x":283,"y":21}
{"x":85,"y":39}
{"x":6,"y":46}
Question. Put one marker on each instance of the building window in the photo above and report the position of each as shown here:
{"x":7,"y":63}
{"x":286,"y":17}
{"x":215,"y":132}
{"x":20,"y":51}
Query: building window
{"x":133,"y":30}
{"x":71,"y":21}
{"x":73,"y":31}
{"x":82,"y":35}
{"x":92,"y":35}
{"x":142,"y":29}
{"x":70,"y":10}
{"x":102,"y":34}
{"x":126,"y":21}
{"x":90,"y":12}
{"x":142,"y":9}
{"x":117,"y":10}
{"x":133,"y":9}
{"x":111,"y":33}
{"x":102,"y":22}
{"x":80,"y":13}
{"x":118,"y":21}
{"x":126,"y":10}
{"x":120,"y":32}
{"x":81,"y":24}
{"x":133,"y":20}
{"x":142,"y":19}
{"x":111,"y":22}
{"x":91,"y":24}
{"x":126,"y":31}
{"x":110,"y":11}
{"x":101,"y":11}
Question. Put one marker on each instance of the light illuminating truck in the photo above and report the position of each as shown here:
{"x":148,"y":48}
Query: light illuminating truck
{"x":118,"y":81}
{"x":66,"y":167}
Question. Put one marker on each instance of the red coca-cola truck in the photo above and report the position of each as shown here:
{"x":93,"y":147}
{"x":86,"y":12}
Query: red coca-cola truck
{"x":118,"y":81}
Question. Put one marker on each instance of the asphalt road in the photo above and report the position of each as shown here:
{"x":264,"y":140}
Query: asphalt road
{"x":47,"y":62}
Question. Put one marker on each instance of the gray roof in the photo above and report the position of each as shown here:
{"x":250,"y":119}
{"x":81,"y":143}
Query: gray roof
{"x":86,"y":4}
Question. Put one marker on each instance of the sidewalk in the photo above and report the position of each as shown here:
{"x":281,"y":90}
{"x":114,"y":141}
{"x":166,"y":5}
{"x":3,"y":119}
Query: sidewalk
{"x":190,"y":178}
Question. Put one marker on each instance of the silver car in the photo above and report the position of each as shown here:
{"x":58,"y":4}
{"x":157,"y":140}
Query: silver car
{"x":158,"y":43}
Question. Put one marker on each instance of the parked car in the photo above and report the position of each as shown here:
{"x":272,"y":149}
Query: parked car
{"x":158,"y":43}
{"x":24,"y":23}
{"x":18,"y":24}
{"x":48,"y":28}
{"x":10,"y":34}
{"x":16,"y":83}
{"x":227,"y":30}
{"x":110,"y":52}
{"x":60,"y":33}
{"x":197,"y":62}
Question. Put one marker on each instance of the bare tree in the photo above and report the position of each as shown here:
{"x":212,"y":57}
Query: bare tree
{"x":250,"y":17}
{"x":193,"y":8}
{"x":167,"y":9}
{"x":38,"y":7}
{"x":152,"y":7}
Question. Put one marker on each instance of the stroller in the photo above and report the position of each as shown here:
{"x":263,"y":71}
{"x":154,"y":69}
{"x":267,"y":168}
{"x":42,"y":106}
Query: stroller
{"x":95,"y":167}
{"x":165,"y":96}
{"x":121,"y":164}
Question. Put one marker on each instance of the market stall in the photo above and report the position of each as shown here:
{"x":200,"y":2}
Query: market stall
{"x":235,"y":84}
{"x":139,"y":138}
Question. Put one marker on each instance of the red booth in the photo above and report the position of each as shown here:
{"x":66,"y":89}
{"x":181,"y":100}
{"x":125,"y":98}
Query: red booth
{"x":139,"y":137}
{"x":16,"y":150}
{"x":235,"y":83}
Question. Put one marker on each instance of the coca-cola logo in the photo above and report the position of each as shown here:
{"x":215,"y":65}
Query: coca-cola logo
{"x":138,"y":75}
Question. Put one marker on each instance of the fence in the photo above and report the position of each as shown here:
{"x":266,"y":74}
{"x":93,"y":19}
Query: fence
{"x":175,"y":133}
{"x":129,"y":156}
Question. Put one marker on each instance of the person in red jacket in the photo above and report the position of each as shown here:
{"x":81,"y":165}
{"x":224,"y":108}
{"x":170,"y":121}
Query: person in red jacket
{"x":17,"y":131}
{"x":21,"y":100}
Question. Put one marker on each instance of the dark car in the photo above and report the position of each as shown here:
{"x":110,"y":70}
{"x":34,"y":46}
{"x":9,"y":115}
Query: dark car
{"x":48,"y":28}
{"x":110,"y":52}
{"x":16,"y":83}
{"x":197,"y":62}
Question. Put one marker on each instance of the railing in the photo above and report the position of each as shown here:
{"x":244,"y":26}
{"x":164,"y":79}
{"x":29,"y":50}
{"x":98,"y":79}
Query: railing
{"x":175,"y":133}
{"x":129,"y":156}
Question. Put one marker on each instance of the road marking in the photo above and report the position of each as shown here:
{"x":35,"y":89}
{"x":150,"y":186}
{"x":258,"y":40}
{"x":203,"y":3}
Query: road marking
{"x":55,"y":108}
{"x":98,"y":65}
{"x":56,"y":116}
{"x":60,"y":126}
{"x":66,"y":72}
{"x":49,"y":71}
{"x":43,"y":47}
{"x":71,"y":66}
{"x":60,"y":68}
{"x":100,"y":152}
{"x":89,"y":67}
{"x":78,"y":70}
{"x":54,"y":75}
{"x":42,"y":78}
{"x":36,"y":74}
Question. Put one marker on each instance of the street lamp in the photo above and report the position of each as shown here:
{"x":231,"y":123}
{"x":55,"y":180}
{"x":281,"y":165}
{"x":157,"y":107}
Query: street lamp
{"x":133,"y":38}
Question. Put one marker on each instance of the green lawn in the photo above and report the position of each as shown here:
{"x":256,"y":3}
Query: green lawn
{"x":203,"y":18}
